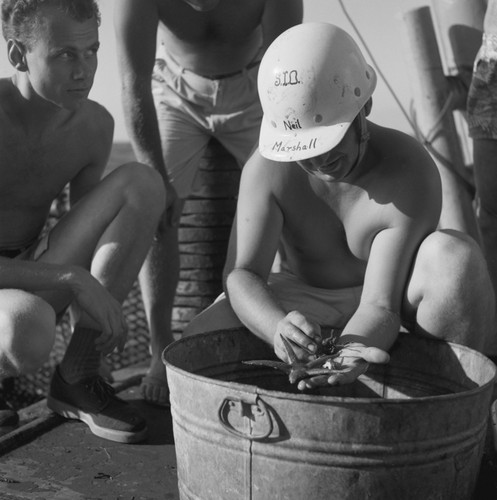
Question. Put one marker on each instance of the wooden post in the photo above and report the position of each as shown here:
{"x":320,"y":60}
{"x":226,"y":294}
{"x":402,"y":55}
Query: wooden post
{"x":459,"y":25}
{"x":434,"y":117}
{"x":204,"y":233}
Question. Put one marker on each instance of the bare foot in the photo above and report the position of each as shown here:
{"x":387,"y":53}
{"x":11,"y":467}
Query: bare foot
{"x":154,"y":387}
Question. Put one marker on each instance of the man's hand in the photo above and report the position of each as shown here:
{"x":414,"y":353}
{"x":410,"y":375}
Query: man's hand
{"x":304,"y":335}
{"x":352,"y":360}
{"x":105,"y":311}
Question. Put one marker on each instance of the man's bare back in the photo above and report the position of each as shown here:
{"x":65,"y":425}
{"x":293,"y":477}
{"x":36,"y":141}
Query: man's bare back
{"x":39,"y":158}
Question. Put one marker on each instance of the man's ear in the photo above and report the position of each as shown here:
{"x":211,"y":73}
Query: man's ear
{"x":368,"y":106}
{"x":17,"y":55}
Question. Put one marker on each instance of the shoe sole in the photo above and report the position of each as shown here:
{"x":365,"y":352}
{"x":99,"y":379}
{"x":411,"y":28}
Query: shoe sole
{"x":69,"y":411}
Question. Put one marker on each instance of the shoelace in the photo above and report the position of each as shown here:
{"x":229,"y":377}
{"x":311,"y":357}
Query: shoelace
{"x":99,"y":387}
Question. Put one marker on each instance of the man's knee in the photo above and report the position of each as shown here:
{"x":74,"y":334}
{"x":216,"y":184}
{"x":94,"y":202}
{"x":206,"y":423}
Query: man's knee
{"x":451,"y":292}
{"x":142,"y":186}
{"x":450,"y":276}
{"x":28,"y":332}
{"x":451,"y":254}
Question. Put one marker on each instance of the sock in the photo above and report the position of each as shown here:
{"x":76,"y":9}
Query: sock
{"x":81,"y":360}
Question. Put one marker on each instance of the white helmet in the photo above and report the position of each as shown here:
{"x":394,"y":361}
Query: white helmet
{"x":313,"y":81}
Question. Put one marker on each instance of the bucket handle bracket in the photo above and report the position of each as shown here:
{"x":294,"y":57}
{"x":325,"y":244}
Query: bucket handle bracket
{"x":245,"y":417}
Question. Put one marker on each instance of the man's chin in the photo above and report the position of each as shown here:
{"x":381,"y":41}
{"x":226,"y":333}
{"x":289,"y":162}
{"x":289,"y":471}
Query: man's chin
{"x":74,"y":104}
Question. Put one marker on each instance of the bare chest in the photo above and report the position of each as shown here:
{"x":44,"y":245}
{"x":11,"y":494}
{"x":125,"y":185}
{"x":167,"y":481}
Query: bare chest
{"x":231,"y":22}
{"x":335,"y":224}
{"x":32,"y":172}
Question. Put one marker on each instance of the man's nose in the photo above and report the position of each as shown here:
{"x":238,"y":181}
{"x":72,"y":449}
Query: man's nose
{"x":82,"y":69}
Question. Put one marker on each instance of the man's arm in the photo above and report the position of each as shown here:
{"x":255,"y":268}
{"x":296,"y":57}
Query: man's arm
{"x":253,"y":248}
{"x":377,"y":319}
{"x":394,"y":247}
{"x":253,"y":245}
{"x":73,"y":282}
{"x":136,"y":24}
{"x":279,"y":15}
{"x":375,"y":325}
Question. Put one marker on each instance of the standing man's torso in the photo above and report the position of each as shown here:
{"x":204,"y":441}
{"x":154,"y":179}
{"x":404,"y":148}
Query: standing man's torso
{"x":217,"y":42}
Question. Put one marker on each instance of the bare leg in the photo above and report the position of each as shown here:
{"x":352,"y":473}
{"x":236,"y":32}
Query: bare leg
{"x":109,"y":232}
{"x":27,"y":324}
{"x":158,"y":281}
{"x":450,"y":293}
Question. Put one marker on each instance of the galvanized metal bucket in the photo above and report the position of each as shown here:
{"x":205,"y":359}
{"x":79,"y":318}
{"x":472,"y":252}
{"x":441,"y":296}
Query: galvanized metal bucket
{"x":412,"y":429}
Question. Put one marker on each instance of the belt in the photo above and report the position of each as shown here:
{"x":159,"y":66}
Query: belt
{"x":251,"y":65}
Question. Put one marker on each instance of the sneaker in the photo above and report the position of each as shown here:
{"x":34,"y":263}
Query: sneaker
{"x":94,"y":402}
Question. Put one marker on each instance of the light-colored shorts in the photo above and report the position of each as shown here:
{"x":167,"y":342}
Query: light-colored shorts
{"x":191,"y":109}
{"x":482,"y":95}
{"x":328,"y":308}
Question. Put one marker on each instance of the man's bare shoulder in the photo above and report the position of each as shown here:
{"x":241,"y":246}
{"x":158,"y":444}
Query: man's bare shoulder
{"x":59,"y":147}
{"x":91,"y":118}
{"x":5,"y":85}
{"x":96,"y":119}
{"x":396,"y":148}
{"x":7,"y":93}
{"x":406,"y":175}
{"x":90,"y":132}
{"x":272,"y":179}
{"x":263,"y":168}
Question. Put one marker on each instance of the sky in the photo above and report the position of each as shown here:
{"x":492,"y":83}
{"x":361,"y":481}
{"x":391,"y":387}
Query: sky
{"x":378,"y":26}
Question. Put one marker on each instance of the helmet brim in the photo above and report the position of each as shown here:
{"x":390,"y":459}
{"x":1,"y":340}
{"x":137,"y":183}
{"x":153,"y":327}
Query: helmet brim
{"x":298,"y":145}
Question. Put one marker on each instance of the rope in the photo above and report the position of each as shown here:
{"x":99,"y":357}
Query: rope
{"x":426,"y":140}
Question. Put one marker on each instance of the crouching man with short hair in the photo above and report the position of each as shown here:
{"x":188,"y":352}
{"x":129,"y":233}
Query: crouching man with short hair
{"x":51,"y":134}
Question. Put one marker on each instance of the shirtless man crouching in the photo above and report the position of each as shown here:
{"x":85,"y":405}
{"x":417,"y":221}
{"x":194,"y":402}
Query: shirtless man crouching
{"x":52,"y":135}
{"x":356,"y":206}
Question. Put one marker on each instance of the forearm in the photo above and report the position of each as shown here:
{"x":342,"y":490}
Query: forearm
{"x":254,"y":303}
{"x":37,"y":276}
{"x":135,"y":26}
{"x":142,"y":125}
{"x":373,"y":326}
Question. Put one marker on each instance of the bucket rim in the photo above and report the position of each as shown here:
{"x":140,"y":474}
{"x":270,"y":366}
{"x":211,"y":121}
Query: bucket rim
{"x":321,"y":398}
